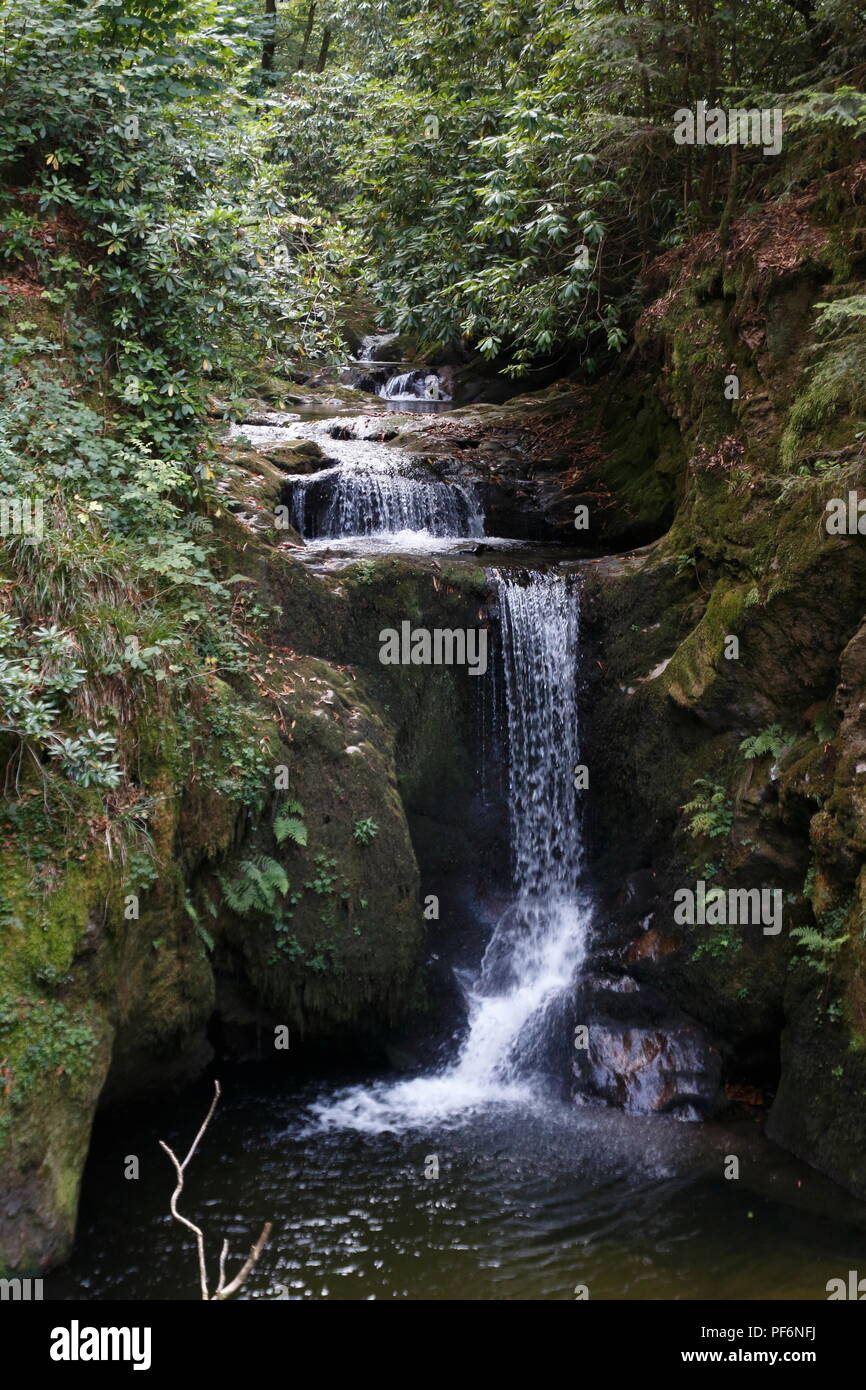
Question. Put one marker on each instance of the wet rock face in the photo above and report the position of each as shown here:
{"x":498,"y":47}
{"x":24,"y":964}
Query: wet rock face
{"x":817,"y":1112}
{"x":798,"y":823}
{"x":674,"y":713}
{"x":337,"y":966}
{"x":385,"y":347}
{"x":364,"y":378}
{"x":646,"y":1071}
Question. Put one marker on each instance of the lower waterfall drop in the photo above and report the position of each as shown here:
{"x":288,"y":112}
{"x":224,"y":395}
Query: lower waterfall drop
{"x":540,"y":939}
{"x":538,"y":944}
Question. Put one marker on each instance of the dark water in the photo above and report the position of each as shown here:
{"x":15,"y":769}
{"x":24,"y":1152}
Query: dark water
{"x":530,"y":1201}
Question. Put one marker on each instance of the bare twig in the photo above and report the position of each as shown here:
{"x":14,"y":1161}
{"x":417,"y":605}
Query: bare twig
{"x":223,"y":1290}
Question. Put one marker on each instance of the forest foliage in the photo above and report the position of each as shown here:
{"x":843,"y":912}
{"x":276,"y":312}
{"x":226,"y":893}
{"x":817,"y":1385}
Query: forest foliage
{"x":221,"y":180}
{"x":194,"y":188}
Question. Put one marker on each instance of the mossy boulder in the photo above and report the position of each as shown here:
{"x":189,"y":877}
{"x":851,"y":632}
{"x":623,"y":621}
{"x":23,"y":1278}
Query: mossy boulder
{"x":297,"y":456}
{"x":338,"y":951}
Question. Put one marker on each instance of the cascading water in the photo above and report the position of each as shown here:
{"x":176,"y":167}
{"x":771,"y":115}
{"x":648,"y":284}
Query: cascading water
{"x":397,"y":386}
{"x":362,"y":502}
{"x":373,"y":490}
{"x":413,"y":385}
{"x":538,"y":944}
{"x":536,"y":947}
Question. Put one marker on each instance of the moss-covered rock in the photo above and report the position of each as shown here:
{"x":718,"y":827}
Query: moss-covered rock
{"x":122,"y":958}
{"x":743,"y":624}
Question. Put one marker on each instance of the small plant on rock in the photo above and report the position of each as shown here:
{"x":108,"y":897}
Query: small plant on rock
{"x":365,"y":830}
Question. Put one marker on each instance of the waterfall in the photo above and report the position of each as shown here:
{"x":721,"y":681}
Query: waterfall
{"x":540,"y":630}
{"x":413,"y":385}
{"x":537,"y":946}
{"x":371,"y":489}
{"x":397,"y":386}
{"x":354,"y":502}
{"x":538,"y":942}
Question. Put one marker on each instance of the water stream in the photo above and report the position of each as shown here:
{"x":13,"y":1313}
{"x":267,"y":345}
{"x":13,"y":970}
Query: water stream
{"x":413,"y":385}
{"x":373,"y":491}
{"x":475,"y":1179}
{"x":533,"y":954}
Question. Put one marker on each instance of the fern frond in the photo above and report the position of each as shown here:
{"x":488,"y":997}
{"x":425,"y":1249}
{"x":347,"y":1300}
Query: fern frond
{"x":290,"y":828}
{"x":254,"y":887}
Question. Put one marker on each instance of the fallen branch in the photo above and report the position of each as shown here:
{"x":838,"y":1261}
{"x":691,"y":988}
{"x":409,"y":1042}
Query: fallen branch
{"x":223,"y":1290}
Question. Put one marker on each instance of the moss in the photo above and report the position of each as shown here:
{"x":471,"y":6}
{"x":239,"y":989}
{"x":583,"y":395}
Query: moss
{"x":237,"y":739}
{"x":17,"y":310}
{"x":342,"y":946}
{"x":41,"y":1039}
{"x":54,"y":1058}
{"x":40,"y":930}
{"x":699,"y":662}
{"x":835,"y":392}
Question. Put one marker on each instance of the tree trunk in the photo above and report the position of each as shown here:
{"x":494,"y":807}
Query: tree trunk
{"x":323,"y":51}
{"x":311,"y":19}
{"x":269,"y":43}
{"x":730,"y":203}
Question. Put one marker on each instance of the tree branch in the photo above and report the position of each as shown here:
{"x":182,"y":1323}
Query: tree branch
{"x":223,"y":1290}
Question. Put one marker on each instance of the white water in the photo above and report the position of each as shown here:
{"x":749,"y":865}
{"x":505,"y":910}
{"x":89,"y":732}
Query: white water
{"x":365,"y":502}
{"x":537,"y":946}
{"x":413,"y":385}
{"x":372,"y":490}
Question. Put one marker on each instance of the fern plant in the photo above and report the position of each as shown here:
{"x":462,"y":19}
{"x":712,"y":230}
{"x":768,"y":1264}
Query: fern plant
{"x":365,"y":830}
{"x":256,"y":886}
{"x":288,"y":824}
{"x":773,"y":740}
{"x":807,"y":475}
{"x":839,"y":314}
{"x":823,"y":943}
{"x":710,"y":811}
{"x":820,"y":950}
